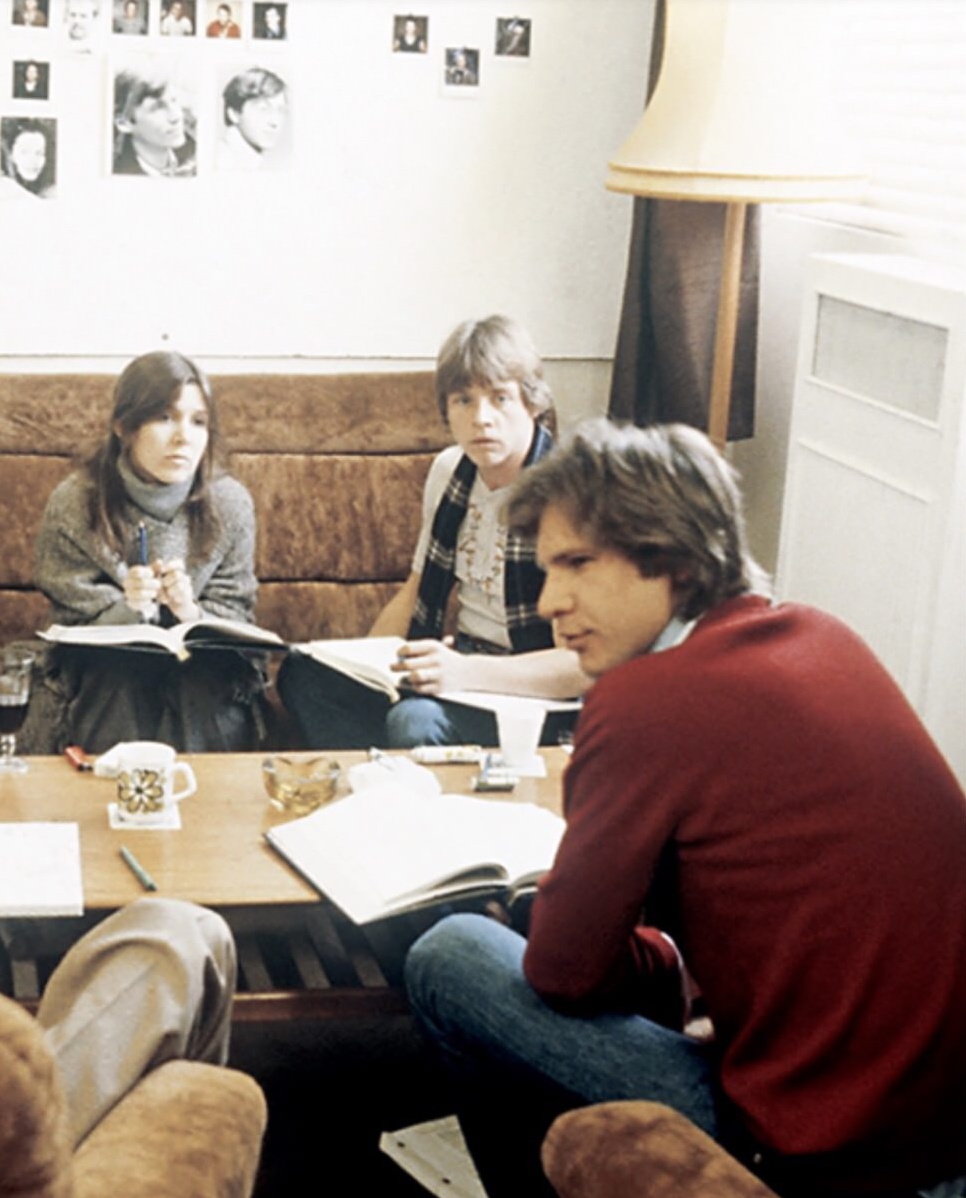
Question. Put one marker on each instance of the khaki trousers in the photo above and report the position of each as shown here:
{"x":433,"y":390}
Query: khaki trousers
{"x":150,"y":983}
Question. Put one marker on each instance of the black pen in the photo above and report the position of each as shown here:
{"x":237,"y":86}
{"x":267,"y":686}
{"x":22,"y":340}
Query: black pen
{"x":138,"y":869}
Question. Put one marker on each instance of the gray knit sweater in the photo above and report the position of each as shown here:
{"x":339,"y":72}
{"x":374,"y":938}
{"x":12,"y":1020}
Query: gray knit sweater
{"x":84,"y":580}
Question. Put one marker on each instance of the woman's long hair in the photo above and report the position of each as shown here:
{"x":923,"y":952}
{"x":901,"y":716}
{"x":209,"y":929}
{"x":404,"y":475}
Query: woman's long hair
{"x":145,"y":390}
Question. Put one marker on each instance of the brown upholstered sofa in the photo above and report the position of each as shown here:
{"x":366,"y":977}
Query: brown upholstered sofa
{"x":186,"y":1129}
{"x":640,"y":1150}
{"x":335,"y":464}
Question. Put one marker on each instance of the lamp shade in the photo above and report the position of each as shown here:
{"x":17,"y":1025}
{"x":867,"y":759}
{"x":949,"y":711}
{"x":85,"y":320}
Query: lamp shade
{"x":741,"y":111}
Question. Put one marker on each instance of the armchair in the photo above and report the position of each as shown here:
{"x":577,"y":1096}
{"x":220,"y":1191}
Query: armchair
{"x":187,"y":1128}
{"x":640,"y":1150}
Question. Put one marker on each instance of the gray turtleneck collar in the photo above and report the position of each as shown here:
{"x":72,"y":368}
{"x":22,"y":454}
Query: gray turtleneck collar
{"x":162,"y":501}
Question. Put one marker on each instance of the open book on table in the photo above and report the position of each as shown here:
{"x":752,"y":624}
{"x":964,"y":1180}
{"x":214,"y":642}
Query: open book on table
{"x":207,"y":633}
{"x":385,"y":850}
{"x":369,"y":659}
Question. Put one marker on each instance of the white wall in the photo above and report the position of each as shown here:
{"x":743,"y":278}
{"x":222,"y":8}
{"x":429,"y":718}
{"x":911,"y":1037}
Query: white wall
{"x":404,"y":209}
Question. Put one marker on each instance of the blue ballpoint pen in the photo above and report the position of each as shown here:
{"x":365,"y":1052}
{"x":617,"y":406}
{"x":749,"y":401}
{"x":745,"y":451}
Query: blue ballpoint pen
{"x":142,"y":544}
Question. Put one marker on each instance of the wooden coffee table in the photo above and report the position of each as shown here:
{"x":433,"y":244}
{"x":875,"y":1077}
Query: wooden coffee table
{"x":298,"y":955}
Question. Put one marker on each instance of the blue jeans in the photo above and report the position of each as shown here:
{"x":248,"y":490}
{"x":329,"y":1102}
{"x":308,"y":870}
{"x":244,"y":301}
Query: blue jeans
{"x":515,"y":1063}
{"x":333,"y":711}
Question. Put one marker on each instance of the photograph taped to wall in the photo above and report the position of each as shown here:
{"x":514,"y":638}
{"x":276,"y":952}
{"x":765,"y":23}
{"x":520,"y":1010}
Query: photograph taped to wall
{"x":28,"y":157}
{"x":253,"y":118}
{"x":461,"y":72}
{"x":31,"y":14}
{"x":31,"y":80}
{"x":178,"y":18}
{"x":270,"y":22}
{"x":83,"y":24}
{"x":153,"y":116}
{"x":410,"y":34}
{"x":131,"y":17}
{"x":513,"y":37}
{"x":223,"y":20}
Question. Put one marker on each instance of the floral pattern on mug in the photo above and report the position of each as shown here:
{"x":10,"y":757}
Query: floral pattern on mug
{"x":141,"y":791}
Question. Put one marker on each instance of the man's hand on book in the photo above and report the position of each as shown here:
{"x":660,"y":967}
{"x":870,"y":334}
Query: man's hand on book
{"x":430,"y":666}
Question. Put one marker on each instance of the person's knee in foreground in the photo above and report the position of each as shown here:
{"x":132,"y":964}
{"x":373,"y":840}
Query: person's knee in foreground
{"x":491,"y":393}
{"x":749,"y":776}
{"x":152,"y":982}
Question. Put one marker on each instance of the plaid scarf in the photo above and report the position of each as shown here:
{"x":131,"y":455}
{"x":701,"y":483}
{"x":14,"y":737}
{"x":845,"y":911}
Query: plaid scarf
{"x":522,"y":577}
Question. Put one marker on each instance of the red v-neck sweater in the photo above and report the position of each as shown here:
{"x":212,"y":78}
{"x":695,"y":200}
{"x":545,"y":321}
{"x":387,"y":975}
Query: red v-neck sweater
{"x":812,"y":843}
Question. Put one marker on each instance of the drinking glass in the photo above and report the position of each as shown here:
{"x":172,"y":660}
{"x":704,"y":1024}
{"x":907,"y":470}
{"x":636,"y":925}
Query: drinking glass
{"x":15,"y":670}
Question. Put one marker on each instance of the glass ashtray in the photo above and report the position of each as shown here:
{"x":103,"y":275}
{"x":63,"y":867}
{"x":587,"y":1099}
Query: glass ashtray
{"x":298,"y":785}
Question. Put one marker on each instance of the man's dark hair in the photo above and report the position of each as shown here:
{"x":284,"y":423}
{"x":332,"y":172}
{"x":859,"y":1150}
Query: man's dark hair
{"x":662,"y":496}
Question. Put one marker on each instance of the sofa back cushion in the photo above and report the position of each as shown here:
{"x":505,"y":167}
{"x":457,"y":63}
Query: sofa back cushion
{"x":335,"y":464}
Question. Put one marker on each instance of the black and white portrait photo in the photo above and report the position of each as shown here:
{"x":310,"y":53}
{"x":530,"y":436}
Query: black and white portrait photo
{"x":410,"y":35}
{"x":31,"y":80}
{"x":28,"y":157}
{"x":81,"y":23}
{"x":254,"y":121}
{"x":131,"y":17}
{"x":269,"y":22}
{"x":153,"y":121}
{"x":512,"y":37}
{"x":462,"y":67}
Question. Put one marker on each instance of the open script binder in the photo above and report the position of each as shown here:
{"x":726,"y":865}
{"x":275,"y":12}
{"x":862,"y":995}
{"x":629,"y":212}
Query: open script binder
{"x":207,"y":633}
{"x":385,"y":850}
{"x":365,"y":658}
{"x":368,"y":659}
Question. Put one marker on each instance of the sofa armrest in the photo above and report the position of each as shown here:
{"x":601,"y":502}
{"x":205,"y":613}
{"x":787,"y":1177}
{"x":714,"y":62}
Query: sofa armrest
{"x":35,"y":1147}
{"x":640,"y":1150}
{"x":187,"y":1128}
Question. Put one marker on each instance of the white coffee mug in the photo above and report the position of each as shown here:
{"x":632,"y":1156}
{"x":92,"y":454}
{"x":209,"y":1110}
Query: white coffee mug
{"x":146,"y":776}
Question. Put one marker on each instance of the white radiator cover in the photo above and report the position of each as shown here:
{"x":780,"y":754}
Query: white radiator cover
{"x":874,"y":519}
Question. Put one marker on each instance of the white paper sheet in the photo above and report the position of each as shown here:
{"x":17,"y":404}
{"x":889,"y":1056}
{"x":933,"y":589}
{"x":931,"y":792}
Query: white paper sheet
{"x":40,"y":869}
{"x":435,"y":1155}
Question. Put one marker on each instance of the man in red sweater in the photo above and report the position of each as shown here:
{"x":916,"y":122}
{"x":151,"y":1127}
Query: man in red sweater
{"x":755,"y":815}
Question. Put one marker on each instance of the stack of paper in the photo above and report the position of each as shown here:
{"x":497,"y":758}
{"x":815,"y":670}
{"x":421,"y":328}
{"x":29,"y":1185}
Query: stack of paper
{"x":40,"y":869}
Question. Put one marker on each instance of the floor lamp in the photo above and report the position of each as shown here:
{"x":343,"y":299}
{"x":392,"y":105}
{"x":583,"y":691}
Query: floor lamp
{"x":740,"y":115}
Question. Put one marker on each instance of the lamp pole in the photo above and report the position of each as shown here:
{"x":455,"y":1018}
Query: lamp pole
{"x":726,"y":323}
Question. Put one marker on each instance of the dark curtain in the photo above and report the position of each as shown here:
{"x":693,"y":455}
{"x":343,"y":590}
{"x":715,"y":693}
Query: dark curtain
{"x":665,"y":342}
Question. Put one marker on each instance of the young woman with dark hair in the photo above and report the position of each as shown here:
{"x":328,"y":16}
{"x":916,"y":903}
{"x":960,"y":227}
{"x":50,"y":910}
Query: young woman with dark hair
{"x":150,"y":528}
